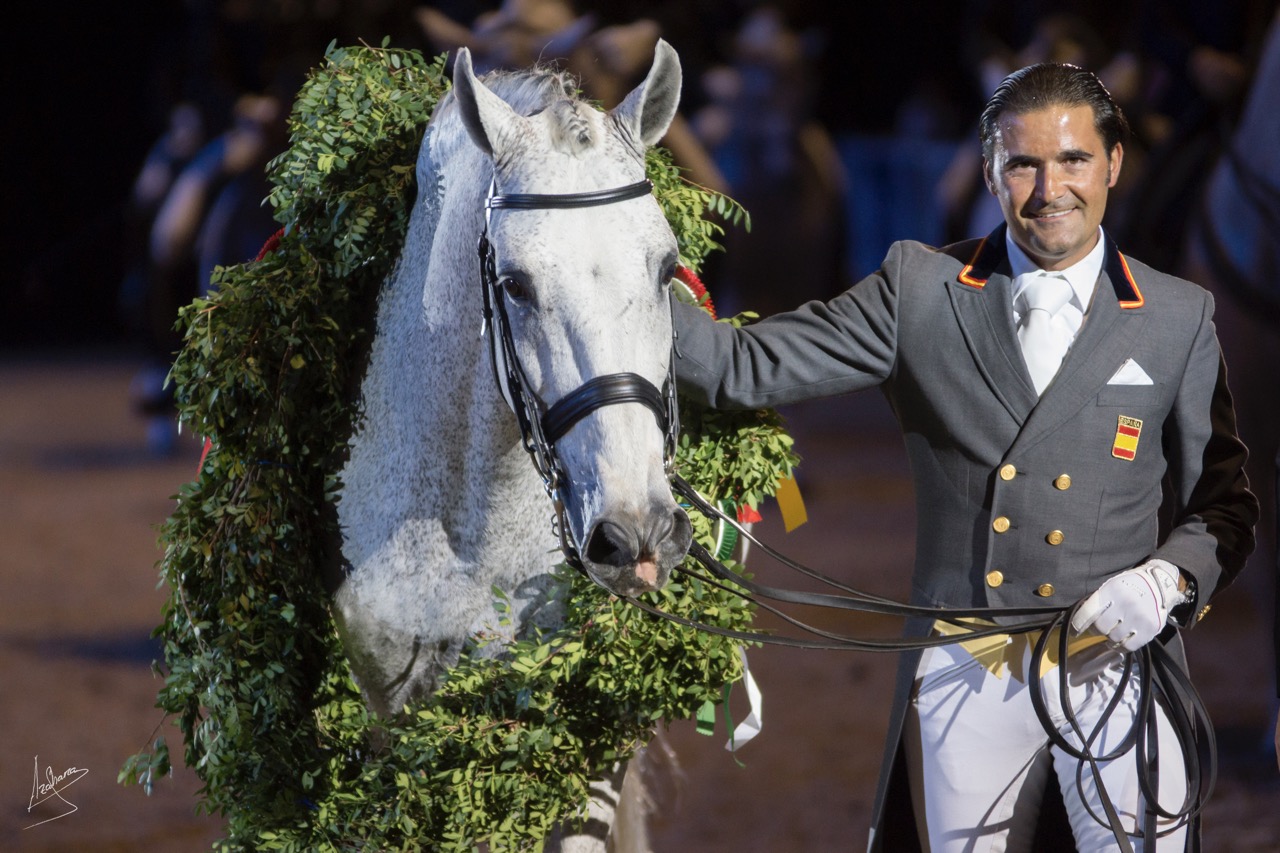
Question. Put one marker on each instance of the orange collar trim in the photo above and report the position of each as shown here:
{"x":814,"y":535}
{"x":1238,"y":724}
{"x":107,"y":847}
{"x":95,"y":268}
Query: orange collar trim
{"x":965,"y":276}
{"x":1127,"y":292}
{"x":1138,"y":301}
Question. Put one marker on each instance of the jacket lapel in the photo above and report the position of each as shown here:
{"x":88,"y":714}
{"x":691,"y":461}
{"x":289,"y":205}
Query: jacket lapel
{"x":981,"y":297}
{"x":1106,"y":339}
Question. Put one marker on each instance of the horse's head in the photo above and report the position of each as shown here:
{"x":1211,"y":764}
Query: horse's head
{"x":583,"y":291}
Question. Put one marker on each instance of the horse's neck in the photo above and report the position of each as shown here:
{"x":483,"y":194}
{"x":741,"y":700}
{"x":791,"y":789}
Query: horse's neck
{"x":430,"y":384}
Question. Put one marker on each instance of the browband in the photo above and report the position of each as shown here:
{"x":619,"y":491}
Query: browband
{"x":534,"y":201}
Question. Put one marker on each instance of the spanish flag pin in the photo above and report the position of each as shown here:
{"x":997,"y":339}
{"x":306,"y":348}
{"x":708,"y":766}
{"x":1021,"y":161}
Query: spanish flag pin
{"x":1127,"y":432}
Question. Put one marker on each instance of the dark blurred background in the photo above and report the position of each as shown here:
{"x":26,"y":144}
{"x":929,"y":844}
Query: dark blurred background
{"x":840,"y":126}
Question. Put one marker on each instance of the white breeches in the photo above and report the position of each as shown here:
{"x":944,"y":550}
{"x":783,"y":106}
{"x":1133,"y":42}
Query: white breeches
{"x":979,"y":759}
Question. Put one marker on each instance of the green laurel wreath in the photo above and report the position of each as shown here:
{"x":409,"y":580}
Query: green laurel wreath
{"x":254,"y":672}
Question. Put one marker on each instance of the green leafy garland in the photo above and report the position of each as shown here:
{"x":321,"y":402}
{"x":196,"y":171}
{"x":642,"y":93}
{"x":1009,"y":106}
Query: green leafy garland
{"x":270,"y":717}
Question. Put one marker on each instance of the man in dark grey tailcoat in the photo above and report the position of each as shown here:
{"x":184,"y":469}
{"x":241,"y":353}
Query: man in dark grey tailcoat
{"x":1046,"y":386}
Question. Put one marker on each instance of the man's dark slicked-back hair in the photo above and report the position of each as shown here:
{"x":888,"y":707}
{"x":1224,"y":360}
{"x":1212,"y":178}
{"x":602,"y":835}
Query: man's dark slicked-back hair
{"x":1053,"y":84}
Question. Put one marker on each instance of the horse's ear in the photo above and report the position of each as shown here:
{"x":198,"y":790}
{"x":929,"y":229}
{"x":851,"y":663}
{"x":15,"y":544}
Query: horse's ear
{"x":490,"y":122}
{"x":648,"y":110}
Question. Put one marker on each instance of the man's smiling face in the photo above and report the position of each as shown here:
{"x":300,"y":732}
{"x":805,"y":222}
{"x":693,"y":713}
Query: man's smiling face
{"x":1050,"y":171}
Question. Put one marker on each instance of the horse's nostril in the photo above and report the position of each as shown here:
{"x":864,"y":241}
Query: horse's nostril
{"x":610,"y":545}
{"x":681,"y":531}
{"x":660,"y":538}
{"x":670,"y":532}
{"x":663,"y":525}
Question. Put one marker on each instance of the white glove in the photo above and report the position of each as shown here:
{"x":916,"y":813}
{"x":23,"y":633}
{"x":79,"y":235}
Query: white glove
{"x":1131,"y":608}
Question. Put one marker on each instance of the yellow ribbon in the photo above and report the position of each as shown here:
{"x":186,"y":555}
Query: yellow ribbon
{"x":999,"y":652}
{"x":791,"y":504}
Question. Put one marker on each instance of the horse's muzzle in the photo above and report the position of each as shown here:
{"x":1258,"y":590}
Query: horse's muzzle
{"x":634,"y":553}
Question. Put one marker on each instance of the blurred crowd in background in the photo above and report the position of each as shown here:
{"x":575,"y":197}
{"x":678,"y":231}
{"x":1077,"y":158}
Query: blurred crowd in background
{"x":840,"y":127}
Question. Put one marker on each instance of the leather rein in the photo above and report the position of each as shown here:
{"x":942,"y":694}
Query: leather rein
{"x":1159,"y":676}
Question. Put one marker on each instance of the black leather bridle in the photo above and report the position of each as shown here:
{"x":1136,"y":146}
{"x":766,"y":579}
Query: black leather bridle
{"x":541,"y":427}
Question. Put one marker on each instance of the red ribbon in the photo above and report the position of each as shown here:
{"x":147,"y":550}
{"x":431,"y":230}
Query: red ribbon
{"x":691,"y":280}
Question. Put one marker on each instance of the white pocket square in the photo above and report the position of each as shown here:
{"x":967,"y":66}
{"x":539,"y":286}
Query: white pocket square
{"x":1130,"y":374}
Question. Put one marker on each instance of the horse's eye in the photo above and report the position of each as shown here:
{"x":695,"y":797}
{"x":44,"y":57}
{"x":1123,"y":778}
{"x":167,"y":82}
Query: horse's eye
{"x":668,"y":273}
{"x":516,"y":290}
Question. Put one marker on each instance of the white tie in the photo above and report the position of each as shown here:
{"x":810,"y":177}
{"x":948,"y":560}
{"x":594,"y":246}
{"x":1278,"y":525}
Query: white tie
{"x":1044,"y":342}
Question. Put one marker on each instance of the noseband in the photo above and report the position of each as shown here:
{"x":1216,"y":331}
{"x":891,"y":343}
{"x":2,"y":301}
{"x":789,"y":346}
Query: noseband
{"x":542,"y":427}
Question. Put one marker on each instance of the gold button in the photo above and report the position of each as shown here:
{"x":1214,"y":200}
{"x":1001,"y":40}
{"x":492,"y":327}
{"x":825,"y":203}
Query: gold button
{"x":1055,"y":537}
{"x":1044,"y":590}
{"x":1204,"y":611}
{"x":1063,"y":482}
{"x":1000,"y":525}
{"x":995,"y":577}
{"x":1008,"y":472}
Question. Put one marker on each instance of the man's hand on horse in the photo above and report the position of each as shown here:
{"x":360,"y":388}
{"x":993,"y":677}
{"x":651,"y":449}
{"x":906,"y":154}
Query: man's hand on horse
{"x":1131,"y":608}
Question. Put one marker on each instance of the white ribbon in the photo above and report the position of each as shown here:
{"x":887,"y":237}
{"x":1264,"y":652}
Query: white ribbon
{"x":754,"y":721}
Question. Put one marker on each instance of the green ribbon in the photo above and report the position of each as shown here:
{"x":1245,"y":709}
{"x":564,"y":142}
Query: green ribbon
{"x":726,"y":533}
{"x":706,"y":718}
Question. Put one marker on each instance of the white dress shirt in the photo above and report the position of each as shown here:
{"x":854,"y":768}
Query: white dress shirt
{"x":1082,"y":276}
